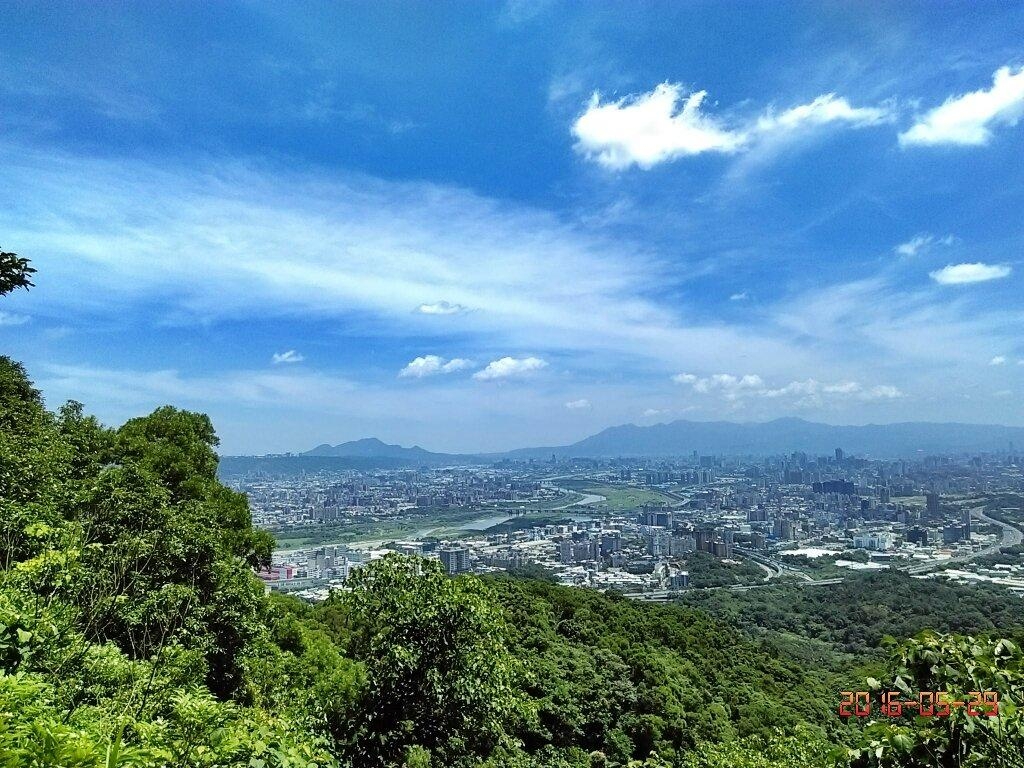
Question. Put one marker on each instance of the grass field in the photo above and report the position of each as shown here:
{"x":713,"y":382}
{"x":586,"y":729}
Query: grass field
{"x":617,"y":498}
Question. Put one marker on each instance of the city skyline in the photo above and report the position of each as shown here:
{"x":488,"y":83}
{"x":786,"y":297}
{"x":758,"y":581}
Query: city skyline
{"x":483,"y":227}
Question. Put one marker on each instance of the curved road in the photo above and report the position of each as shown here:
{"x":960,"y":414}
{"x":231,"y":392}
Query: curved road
{"x":1012,"y":536}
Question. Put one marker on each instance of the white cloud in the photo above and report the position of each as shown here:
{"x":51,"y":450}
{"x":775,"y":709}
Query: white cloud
{"x":441,"y":308}
{"x":739,"y":296}
{"x":429,"y":365}
{"x":808,"y":391}
{"x":650,"y":128}
{"x":668,"y":123}
{"x":575,"y":405}
{"x":962,"y":274}
{"x":884,"y":392}
{"x":822,"y":111}
{"x":730,"y":386}
{"x":8,"y":318}
{"x":291,"y":356}
{"x":998,"y":360}
{"x":920,"y":243}
{"x":508,"y":367}
{"x":968,"y":119}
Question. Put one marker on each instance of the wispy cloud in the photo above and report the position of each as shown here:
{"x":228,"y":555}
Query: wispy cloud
{"x":965,"y":274}
{"x":968,"y":119}
{"x":668,"y":123}
{"x":441,"y":308}
{"x":265,"y":243}
{"x":510,"y":367}
{"x":10,"y":318}
{"x":742,"y":296}
{"x":291,"y":356}
{"x":578,"y":405}
{"x":920,"y":243}
{"x":431,"y":365}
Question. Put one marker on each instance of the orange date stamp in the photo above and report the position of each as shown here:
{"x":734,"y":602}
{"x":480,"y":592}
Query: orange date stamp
{"x":925,"y":704}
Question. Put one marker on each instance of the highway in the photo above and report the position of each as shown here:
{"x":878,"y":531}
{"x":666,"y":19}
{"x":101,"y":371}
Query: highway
{"x":1012,"y":536}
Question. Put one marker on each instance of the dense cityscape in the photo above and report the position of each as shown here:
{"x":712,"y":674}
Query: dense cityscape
{"x":650,"y":528}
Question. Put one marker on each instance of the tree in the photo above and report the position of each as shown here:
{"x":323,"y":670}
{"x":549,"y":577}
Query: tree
{"x":438,"y":673}
{"x":14,"y":273}
{"x":979,"y":733}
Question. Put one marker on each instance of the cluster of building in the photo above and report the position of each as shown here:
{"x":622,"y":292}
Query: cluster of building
{"x":900,"y":512}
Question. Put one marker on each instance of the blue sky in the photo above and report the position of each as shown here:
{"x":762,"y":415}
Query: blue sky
{"x":480,"y":226}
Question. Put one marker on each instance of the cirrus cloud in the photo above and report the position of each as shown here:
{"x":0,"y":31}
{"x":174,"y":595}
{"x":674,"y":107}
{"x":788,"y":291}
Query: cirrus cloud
{"x":441,"y":308}
{"x":9,"y":318}
{"x":291,"y":356}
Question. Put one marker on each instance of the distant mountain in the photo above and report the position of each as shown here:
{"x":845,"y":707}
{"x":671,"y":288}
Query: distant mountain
{"x":369,"y":447}
{"x":372,"y":448}
{"x":682,"y":437}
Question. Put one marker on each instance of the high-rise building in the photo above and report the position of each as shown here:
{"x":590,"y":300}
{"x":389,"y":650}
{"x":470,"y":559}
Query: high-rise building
{"x":565,"y":551}
{"x":455,"y":559}
{"x":965,"y":522}
{"x":932,"y":503}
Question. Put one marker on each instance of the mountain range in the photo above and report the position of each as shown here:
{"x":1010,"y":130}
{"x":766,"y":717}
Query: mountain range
{"x":680,"y":438}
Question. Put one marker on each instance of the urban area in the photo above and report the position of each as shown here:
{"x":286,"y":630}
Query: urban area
{"x":652,"y":528}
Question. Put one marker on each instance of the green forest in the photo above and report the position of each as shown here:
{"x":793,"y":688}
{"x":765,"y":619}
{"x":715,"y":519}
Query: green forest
{"x":134,"y":632}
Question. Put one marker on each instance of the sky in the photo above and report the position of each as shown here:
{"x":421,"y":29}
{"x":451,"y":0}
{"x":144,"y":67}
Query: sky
{"x":480,"y":226}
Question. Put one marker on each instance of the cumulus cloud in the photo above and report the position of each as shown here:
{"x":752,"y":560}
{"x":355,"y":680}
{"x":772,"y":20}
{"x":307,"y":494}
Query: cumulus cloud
{"x":430,"y":365}
{"x":509,"y":367}
{"x":730,"y":386}
{"x":9,"y":318}
{"x":968,"y":119}
{"x":668,"y":123}
{"x":576,"y":405}
{"x":650,"y":128}
{"x":291,"y":356}
{"x":963,"y":274}
{"x":921,"y":243}
{"x":807,"y":391}
{"x":998,"y":360}
{"x":441,"y":308}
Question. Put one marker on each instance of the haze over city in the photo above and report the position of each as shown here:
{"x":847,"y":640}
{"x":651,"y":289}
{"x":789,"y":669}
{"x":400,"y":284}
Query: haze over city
{"x":480,"y":227}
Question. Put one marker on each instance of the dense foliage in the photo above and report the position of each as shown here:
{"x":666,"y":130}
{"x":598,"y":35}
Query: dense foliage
{"x":951,"y":668}
{"x":855,"y":615}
